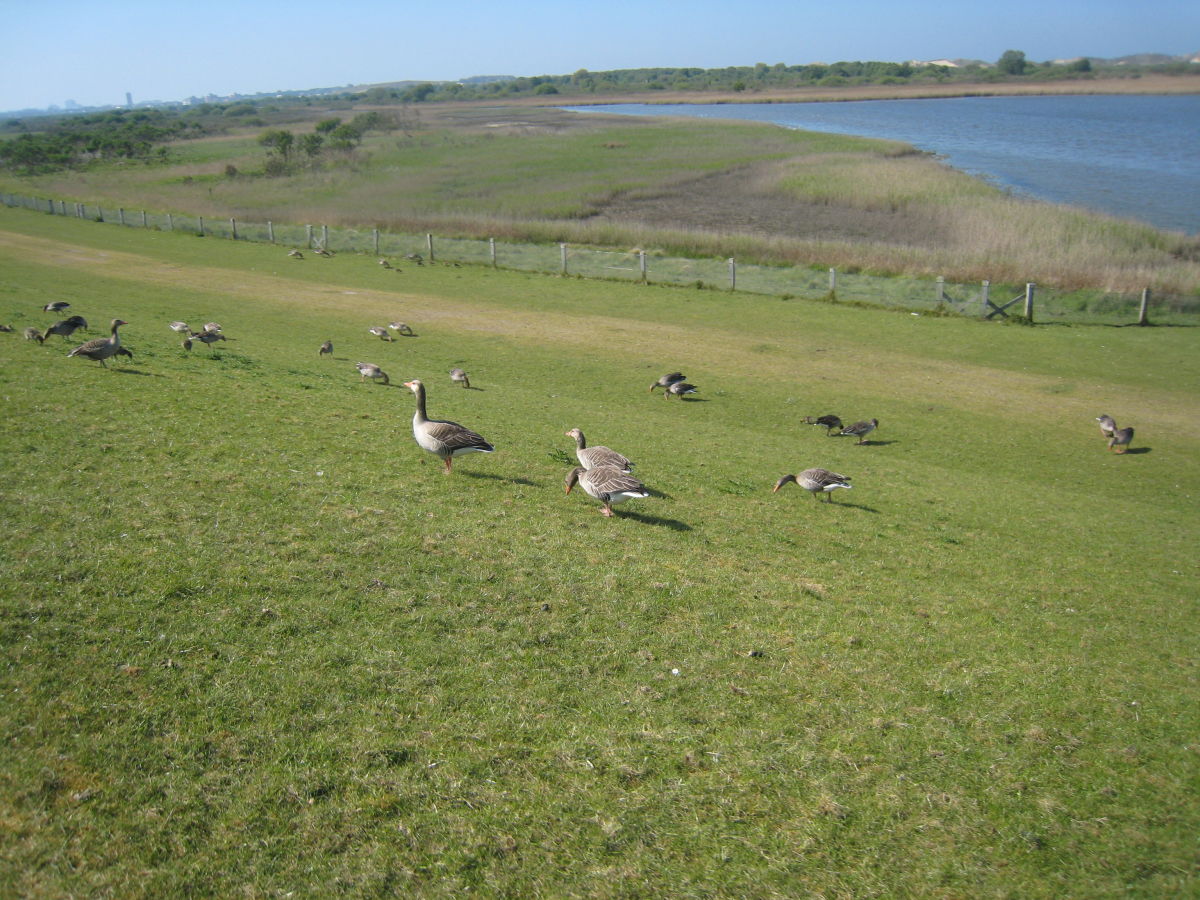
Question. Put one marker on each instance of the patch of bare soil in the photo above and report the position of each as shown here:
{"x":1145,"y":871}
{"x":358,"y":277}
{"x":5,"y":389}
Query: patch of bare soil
{"x":734,"y":201}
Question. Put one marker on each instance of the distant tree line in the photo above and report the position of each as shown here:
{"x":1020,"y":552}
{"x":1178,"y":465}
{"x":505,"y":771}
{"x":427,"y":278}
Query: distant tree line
{"x":286,"y":151}
{"x":1013,"y":65}
{"x":72,"y":141}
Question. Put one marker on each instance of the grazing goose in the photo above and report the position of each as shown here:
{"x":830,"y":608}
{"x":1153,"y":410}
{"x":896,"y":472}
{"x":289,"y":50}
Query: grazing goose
{"x":816,"y":481}
{"x":210,"y":338}
{"x":372,"y":371}
{"x":594,"y":457}
{"x":212,"y":326}
{"x":187,"y":344}
{"x":445,"y":440}
{"x":459,"y":376}
{"x":32,"y":334}
{"x":860,"y":430}
{"x":678,"y":389}
{"x":381,"y":333}
{"x":1120,"y":440}
{"x":101,"y":348}
{"x":1107,"y":425}
{"x":77,"y":321}
{"x":401,"y":328}
{"x":321,"y":251}
{"x":56,"y":306}
{"x":7,"y":328}
{"x":65,"y":329}
{"x":830,"y":422}
{"x":180,"y":327}
{"x":385,"y":263}
{"x":295,"y":254}
{"x":667,"y":380}
{"x":608,"y":484}
{"x":415,"y":258}
{"x":326,"y":349}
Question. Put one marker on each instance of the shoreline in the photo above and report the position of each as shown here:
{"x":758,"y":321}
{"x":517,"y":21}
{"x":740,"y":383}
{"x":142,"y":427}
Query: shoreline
{"x":1148,"y":84}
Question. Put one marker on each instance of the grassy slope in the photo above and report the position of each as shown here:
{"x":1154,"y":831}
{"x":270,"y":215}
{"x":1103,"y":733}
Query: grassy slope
{"x":255,"y":643}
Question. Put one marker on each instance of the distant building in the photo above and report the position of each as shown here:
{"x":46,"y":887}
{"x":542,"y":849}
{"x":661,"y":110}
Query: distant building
{"x":129,"y":99}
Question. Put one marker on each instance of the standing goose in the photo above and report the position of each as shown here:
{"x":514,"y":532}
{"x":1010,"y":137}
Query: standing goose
{"x":458,"y":376}
{"x":381,"y":333}
{"x":370,"y":370}
{"x":180,"y":327}
{"x":401,"y":328}
{"x":860,"y":430}
{"x":210,"y":338}
{"x":32,"y":334}
{"x":101,"y":348}
{"x":212,"y":326}
{"x":77,"y":321}
{"x":678,"y":389}
{"x":295,"y":254}
{"x":1107,"y":425}
{"x":816,"y":481}
{"x":667,"y":380}
{"x":608,"y":484}
{"x":7,"y":328}
{"x":65,"y":329}
{"x":445,"y":440}
{"x":326,"y":349}
{"x":56,"y":306}
{"x":1120,"y":440}
{"x":594,"y":457}
{"x":830,"y":422}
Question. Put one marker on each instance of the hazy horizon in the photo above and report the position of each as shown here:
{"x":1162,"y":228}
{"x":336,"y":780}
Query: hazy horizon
{"x":94,"y":53}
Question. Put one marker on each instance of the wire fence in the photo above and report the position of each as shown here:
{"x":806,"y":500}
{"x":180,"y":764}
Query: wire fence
{"x":1000,"y":302}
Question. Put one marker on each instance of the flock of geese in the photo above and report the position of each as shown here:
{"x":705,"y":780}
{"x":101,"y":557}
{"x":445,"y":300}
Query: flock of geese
{"x":604,"y":474}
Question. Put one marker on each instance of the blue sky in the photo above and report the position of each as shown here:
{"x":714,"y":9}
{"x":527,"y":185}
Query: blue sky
{"x":93,"y":52}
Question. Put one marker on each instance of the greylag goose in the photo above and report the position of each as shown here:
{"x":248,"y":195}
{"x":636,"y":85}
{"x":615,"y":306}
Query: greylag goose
{"x":608,"y":484}
{"x":212,"y":326}
{"x":445,"y":440}
{"x":1120,"y":440}
{"x":385,"y":263}
{"x":7,"y":328}
{"x":458,"y":376}
{"x":101,"y":348}
{"x":326,"y":349}
{"x":830,"y":422}
{"x":372,"y":371}
{"x":65,"y":329}
{"x":187,"y":344}
{"x":180,"y":327}
{"x":401,"y":328}
{"x":32,"y":334}
{"x":667,"y":380}
{"x":816,"y":481}
{"x":78,"y":322}
{"x":860,"y":430}
{"x":1107,"y":425}
{"x":56,"y":306}
{"x":594,"y":457}
{"x":210,"y":338}
{"x":295,"y":254}
{"x":678,"y":389}
{"x":381,"y":333}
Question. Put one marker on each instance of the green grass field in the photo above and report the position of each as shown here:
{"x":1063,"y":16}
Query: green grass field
{"x":256,"y":644}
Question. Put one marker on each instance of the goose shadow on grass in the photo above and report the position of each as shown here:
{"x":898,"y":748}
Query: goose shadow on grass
{"x":847,"y":505}
{"x":873,"y":443}
{"x":673,"y":524}
{"x":1132,"y":450}
{"x":125,"y":371}
{"x":488,"y":475}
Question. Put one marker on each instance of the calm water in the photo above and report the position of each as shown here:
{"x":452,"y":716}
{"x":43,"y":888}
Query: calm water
{"x":1135,"y":157}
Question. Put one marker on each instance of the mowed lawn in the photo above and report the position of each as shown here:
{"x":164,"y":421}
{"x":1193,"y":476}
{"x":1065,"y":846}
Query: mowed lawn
{"x":256,"y":644}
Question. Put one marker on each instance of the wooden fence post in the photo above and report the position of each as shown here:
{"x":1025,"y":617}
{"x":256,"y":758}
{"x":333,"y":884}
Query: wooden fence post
{"x":941,"y":289}
{"x":143,"y":218}
{"x":201,"y":226}
{"x":270,"y":231}
{"x":1144,"y":309}
{"x":233,"y":227}
{"x":375,"y":239}
{"x":492,"y":250}
{"x":562,"y":250}
{"x":987,"y":289}
{"x":325,"y":238}
{"x":732,"y":274}
{"x":642,"y":263}
{"x":1029,"y":301}
{"x":429,"y":245}
{"x":170,"y":222}
{"x":121,"y":214}
{"x":307,"y":237}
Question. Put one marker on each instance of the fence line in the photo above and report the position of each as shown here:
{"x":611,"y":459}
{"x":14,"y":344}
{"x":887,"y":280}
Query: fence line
{"x":637,"y":265}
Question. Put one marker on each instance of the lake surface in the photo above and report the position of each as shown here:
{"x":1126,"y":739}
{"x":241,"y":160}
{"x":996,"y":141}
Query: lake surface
{"x":1137,"y":157}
